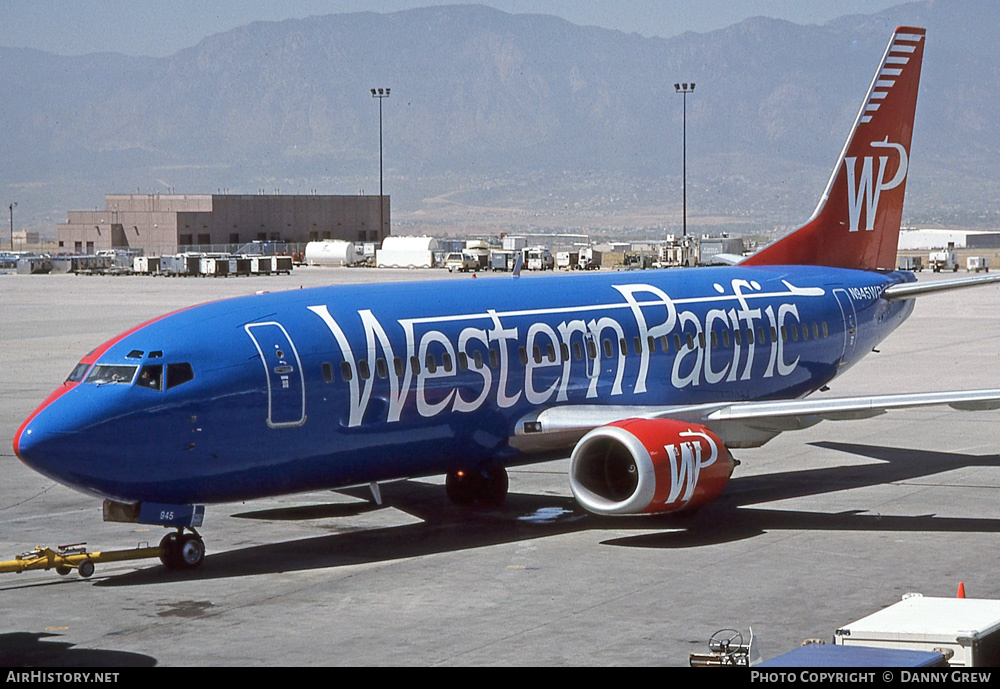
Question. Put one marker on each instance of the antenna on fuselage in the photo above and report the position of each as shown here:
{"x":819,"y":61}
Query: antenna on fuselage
{"x":518,"y":262}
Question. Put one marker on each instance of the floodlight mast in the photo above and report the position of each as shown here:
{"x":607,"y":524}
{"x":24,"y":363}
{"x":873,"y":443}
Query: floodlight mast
{"x":684,"y":89}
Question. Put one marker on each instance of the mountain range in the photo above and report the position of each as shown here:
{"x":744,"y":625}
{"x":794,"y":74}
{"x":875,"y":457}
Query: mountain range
{"x":500,"y":122}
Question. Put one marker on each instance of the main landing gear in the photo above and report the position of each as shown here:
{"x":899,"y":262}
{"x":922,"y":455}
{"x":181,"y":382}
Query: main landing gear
{"x":181,"y":550}
{"x":488,"y":488}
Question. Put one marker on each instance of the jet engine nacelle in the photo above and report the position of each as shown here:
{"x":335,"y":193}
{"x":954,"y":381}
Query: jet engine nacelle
{"x":648,"y":466}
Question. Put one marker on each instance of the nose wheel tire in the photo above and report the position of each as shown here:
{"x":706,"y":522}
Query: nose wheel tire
{"x":182,"y":550}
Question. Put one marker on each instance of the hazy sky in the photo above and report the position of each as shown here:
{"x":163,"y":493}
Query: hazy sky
{"x":162,"y":27}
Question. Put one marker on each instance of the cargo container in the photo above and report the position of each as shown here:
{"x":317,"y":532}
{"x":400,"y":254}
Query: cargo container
{"x":966,"y":630}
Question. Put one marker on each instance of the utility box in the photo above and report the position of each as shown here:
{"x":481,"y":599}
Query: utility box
{"x":968,"y":628}
{"x":261,"y":265}
{"x":502,"y":260}
{"x":514,"y":243}
{"x":146,"y":265}
{"x":977,"y":263}
{"x":213,"y":265}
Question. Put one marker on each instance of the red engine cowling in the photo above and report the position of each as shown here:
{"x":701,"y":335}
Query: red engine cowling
{"x":648,"y":466}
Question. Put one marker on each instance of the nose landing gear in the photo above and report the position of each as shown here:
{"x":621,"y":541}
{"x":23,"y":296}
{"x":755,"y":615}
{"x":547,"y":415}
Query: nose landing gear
{"x":181,"y":550}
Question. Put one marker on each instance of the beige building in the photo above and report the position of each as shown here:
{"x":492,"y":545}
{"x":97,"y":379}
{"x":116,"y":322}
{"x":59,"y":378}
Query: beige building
{"x":168,"y":223}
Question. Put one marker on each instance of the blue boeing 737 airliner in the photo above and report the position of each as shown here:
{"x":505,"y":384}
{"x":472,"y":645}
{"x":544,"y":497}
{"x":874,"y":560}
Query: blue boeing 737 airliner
{"x":649,"y":379}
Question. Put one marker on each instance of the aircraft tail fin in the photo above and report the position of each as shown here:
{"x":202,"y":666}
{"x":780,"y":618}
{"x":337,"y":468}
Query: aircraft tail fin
{"x":856,"y":224}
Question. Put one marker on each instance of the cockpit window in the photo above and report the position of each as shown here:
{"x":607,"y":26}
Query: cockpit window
{"x":111,"y":373}
{"x":150,"y":377}
{"x":178,"y":374}
{"x":78,"y":372}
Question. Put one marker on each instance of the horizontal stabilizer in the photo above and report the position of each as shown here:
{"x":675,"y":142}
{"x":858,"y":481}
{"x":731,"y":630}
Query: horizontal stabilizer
{"x":908,"y":290}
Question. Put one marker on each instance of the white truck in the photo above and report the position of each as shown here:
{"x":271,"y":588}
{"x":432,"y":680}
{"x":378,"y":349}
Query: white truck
{"x":567,"y":260}
{"x":590,"y":259}
{"x":538,"y":258}
{"x":945,"y":259}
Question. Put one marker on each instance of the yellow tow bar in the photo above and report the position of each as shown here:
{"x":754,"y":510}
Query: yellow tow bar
{"x":73,"y":556}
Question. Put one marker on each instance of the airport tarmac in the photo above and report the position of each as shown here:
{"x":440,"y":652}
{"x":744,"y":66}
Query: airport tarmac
{"x":817,"y":528}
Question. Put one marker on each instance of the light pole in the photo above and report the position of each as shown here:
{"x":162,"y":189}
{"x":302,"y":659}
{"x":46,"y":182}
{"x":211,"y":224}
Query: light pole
{"x":380,"y":94}
{"x":685,"y":89}
{"x":12,"y":225}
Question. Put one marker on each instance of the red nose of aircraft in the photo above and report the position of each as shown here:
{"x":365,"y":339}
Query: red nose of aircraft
{"x":36,"y":441}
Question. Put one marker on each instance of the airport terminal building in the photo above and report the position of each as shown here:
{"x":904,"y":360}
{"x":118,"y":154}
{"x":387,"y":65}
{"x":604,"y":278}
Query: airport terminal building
{"x":168,"y":223}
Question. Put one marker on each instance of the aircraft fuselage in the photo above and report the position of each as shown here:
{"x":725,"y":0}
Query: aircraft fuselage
{"x":320,"y":388}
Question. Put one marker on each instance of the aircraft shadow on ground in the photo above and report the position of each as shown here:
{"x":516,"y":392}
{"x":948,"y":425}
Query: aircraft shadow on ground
{"x":37,"y":650}
{"x":448,"y":528}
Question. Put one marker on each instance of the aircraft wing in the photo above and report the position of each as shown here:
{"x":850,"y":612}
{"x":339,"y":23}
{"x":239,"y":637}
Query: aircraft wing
{"x":738,"y":424}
